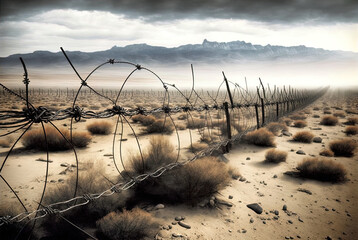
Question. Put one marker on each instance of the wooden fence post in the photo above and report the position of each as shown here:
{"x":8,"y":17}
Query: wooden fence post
{"x":257,"y":116}
{"x":263,"y":112}
{"x":228,"y":125}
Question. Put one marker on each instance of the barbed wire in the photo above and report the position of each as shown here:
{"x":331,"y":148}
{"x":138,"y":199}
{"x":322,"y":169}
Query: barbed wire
{"x":244,"y":103}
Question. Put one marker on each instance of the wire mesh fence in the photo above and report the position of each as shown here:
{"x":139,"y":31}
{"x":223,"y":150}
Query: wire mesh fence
{"x":219,"y":117}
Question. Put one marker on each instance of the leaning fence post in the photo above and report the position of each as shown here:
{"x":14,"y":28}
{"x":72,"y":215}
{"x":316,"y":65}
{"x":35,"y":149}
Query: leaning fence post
{"x":277,"y":111}
{"x":257,"y":116}
{"x":228,"y":125}
{"x":263,"y":112}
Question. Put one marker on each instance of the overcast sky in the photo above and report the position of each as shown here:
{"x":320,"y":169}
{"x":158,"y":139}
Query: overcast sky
{"x":90,"y":25}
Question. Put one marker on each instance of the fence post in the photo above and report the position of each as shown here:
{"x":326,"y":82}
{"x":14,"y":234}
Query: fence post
{"x":257,"y":116}
{"x":228,"y":125}
{"x":277,"y":111}
{"x":263,"y":112}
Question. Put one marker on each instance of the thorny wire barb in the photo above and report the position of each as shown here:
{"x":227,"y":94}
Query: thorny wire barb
{"x":41,"y":115}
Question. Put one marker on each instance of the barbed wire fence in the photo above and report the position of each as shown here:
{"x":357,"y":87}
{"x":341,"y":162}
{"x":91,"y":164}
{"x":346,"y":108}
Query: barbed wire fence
{"x":244,"y":111}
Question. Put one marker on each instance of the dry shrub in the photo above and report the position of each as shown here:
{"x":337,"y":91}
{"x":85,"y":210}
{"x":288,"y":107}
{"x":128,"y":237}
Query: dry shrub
{"x":352,"y":121}
{"x":160,"y":126}
{"x":196,"y":123}
{"x":275,"y":127}
{"x":298,"y":117}
{"x":287,"y":121}
{"x":197,"y":147}
{"x":35,"y":139}
{"x":143,"y":119}
{"x":303,"y":136}
{"x":90,"y":180}
{"x":322,"y":169}
{"x":159,"y":153}
{"x":339,"y":114}
{"x":180,"y":126}
{"x":329,"y":121}
{"x":133,"y":224}
{"x":261,"y":137}
{"x":5,"y":142}
{"x":351,"y":130}
{"x":275,"y":156}
{"x":100,"y":127}
{"x":208,"y":138}
{"x":299,"y":124}
{"x":344,"y":147}
{"x":326,"y":153}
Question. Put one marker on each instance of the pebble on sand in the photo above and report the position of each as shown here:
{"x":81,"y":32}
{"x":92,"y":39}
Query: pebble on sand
{"x":255,"y":207}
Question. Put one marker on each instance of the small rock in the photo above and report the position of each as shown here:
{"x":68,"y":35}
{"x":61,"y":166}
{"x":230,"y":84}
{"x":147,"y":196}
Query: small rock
{"x":317,"y":140}
{"x":275,"y":217}
{"x":301,"y":152}
{"x":159,"y":206}
{"x":184,"y":225}
{"x":179,"y":218}
{"x":177,"y":235}
{"x":61,"y":180}
{"x":52,"y":181}
{"x":305,"y":191}
{"x":284,"y":208}
{"x":275,"y":176}
{"x":276,"y":212}
{"x":328,"y":238}
{"x":251,"y":220}
{"x":212,"y":203}
{"x":317,"y":128}
{"x":255,"y":207}
{"x":248,"y":158}
{"x":65,"y":165}
{"x":242,"y":179}
{"x":231,"y":197}
{"x":289,"y":221}
{"x":286,"y":133}
{"x":300,"y":219}
{"x":244,"y":231}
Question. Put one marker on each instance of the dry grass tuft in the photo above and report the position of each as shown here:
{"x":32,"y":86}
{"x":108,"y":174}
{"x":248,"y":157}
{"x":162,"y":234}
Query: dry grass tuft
{"x":299,"y":123}
{"x":322,"y":169}
{"x":352,"y":121}
{"x":159,"y":153}
{"x":133,"y":224}
{"x":303,"y":136}
{"x":160,"y":126}
{"x":351,"y":130}
{"x":329,"y":121}
{"x":35,"y":139}
{"x":344,"y":147}
{"x":100,"y":127}
{"x":143,"y":119}
{"x":261,"y":137}
{"x":275,"y":156}
{"x":298,"y":117}
{"x":197,"y":147}
{"x":326,"y":153}
{"x":195,"y":123}
{"x":276,"y":127}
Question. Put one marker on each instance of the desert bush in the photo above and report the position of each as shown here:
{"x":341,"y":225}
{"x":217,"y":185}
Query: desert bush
{"x":197,"y":147}
{"x":5,"y":142}
{"x":195,"y":123}
{"x":143,"y":119}
{"x":287,"y":121}
{"x":299,"y":124}
{"x":326,"y":153}
{"x":208,"y":138}
{"x":350,"y":130}
{"x":339,"y":114}
{"x":275,"y":156}
{"x":35,"y":139}
{"x":100,"y":127}
{"x":160,"y":126}
{"x":180,"y":126}
{"x":90,"y":180}
{"x":344,"y":147}
{"x":133,"y":224}
{"x":298,"y":117}
{"x":329,"y":121}
{"x":159,"y":153}
{"x":352,"y":121}
{"x":303,"y":136}
{"x":322,"y":169}
{"x":261,"y":137}
{"x":275,"y":127}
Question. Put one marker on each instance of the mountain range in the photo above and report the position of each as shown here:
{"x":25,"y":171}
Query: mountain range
{"x":207,"y":53}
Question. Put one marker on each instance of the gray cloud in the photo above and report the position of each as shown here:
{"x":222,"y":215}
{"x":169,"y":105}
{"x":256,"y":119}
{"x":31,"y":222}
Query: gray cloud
{"x":259,"y":10}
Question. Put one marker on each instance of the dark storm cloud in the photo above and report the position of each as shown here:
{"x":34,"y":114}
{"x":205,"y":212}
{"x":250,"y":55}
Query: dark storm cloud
{"x":260,"y":10}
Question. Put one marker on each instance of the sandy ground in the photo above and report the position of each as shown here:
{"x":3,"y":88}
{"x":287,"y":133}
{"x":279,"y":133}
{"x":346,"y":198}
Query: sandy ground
{"x":331,"y":210}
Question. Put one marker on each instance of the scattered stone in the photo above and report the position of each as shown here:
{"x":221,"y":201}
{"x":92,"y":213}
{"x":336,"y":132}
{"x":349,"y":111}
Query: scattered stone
{"x":248,"y":159}
{"x":235,"y":176}
{"x":242,"y":179}
{"x":255,"y":207}
{"x":275,"y":176}
{"x":65,"y":165}
{"x":73,"y":165}
{"x":305,"y":191}
{"x":231,"y":197}
{"x":317,"y":128}
{"x":63,"y":172}
{"x":284,"y":208}
{"x":276,"y":212}
{"x":184,"y":225}
{"x":52,"y":181}
{"x":61,"y":180}
{"x":174,"y":223}
{"x":177,"y":235}
{"x":264,"y":222}
{"x":251,"y":220}
{"x":244,"y":231}
{"x":300,"y":219}
{"x":159,"y":206}
{"x":43,"y":160}
{"x":292,"y":150}
{"x":286,"y":133}
{"x":223,"y":202}
{"x":328,"y":238}
{"x":108,"y":155}
{"x":301,"y":152}
{"x":289,"y":221}
{"x":317,"y":140}
{"x":212,"y":203}
{"x":179,"y":218}
{"x":275,"y":217}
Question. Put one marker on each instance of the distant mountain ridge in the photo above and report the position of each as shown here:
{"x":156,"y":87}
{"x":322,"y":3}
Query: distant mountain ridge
{"x":207,"y":52}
